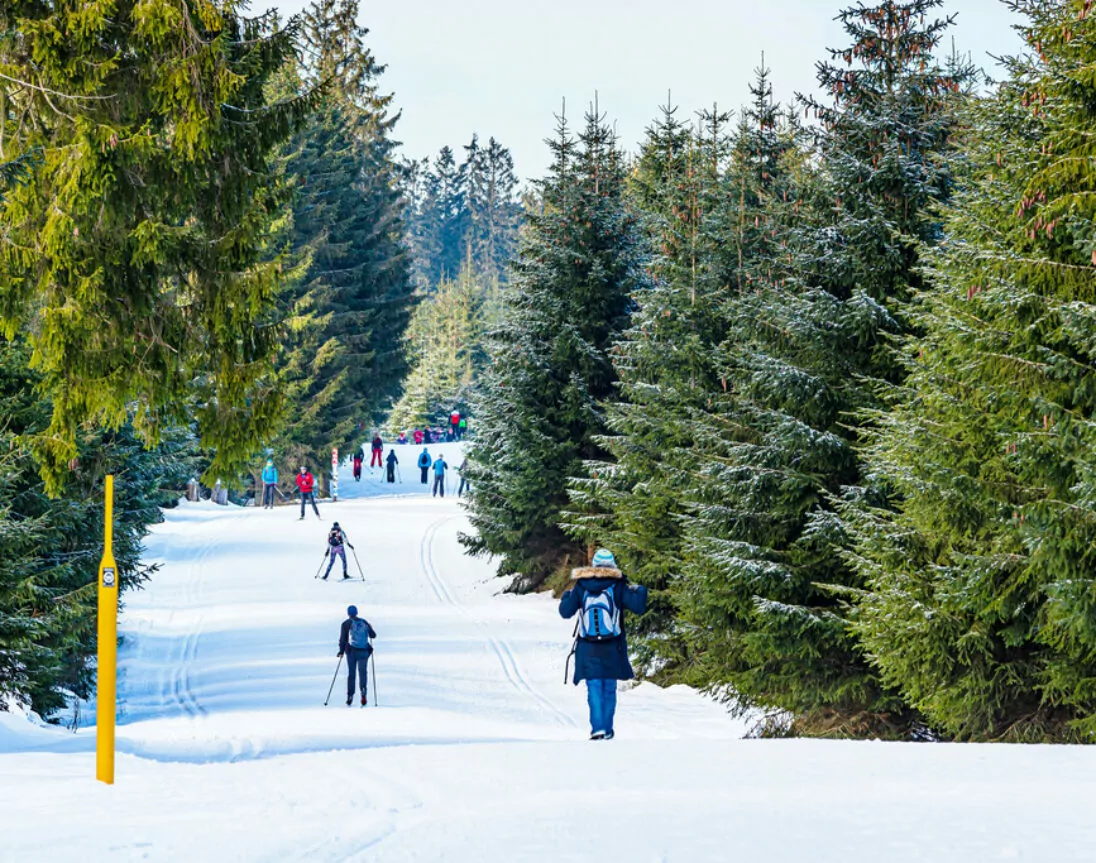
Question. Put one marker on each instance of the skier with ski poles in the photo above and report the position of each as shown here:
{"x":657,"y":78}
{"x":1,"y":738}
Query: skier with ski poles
{"x":270,"y":482}
{"x":306,"y":485}
{"x":357,"y":467}
{"x":600,"y":596}
{"x":354,"y":642}
{"x":439,"y":475}
{"x":424,"y":464}
{"x":393,"y":462}
{"x":336,"y":540}
{"x":378,"y":452}
{"x":464,"y":483}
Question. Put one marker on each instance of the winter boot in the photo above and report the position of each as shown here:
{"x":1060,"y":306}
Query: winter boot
{"x":363,"y":700}
{"x":349,"y":700}
{"x":598,"y":735}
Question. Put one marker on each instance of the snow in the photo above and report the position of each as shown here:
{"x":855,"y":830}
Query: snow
{"x":477,"y":751}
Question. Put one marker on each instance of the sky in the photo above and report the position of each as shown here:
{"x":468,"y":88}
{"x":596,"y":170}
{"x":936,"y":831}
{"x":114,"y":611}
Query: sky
{"x":503,"y":68}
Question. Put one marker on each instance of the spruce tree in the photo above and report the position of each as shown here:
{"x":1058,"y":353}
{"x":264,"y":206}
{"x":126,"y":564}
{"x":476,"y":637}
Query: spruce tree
{"x":978,"y":561}
{"x":766,"y":591}
{"x":350,"y":304}
{"x":539,"y":412}
{"x":132,"y":251}
{"x":493,"y":212}
{"x":630,"y":502}
{"x":50,"y":548}
{"x":446,"y":348}
{"x":462,"y":213}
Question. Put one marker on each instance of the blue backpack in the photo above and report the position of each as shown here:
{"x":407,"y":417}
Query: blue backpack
{"x":600,"y":617}
{"x":359,"y":633}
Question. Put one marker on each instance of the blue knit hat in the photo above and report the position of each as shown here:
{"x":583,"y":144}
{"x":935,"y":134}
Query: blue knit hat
{"x":605,"y":558}
{"x":352,"y":610}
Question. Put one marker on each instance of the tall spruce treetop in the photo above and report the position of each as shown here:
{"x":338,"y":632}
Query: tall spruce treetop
{"x":538,"y":413}
{"x":663,"y":360}
{"x":891,"y":108}
{"x":766,"y":590}
{"x":131,"y":251}
{"x":980,"y":604}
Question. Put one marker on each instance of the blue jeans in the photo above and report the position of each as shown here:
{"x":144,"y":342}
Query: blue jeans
{"x":601,"y":696}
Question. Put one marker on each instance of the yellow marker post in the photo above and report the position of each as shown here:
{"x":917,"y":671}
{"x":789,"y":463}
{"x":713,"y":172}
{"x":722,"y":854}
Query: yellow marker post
{"x":108,"y":647}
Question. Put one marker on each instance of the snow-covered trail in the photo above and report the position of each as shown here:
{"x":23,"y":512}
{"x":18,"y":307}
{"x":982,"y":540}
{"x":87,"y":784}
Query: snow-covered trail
{"x":477,"y":751}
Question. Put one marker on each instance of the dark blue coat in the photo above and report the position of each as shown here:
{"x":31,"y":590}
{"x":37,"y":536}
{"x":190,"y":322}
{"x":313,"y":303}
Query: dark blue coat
{"x":603,"y":660}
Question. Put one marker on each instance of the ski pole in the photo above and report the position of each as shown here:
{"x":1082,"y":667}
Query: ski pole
{"x":317,"y":575}
{"x":358,"y":562}
{"x":336,"y":677}
{"x":373,"y":662}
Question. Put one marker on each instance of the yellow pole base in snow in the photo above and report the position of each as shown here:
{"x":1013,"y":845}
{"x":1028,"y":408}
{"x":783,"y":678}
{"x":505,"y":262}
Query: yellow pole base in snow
{"x":105,"y":707}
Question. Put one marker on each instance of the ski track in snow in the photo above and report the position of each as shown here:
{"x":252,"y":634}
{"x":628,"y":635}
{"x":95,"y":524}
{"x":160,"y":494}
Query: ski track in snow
{"x":501,"y":648}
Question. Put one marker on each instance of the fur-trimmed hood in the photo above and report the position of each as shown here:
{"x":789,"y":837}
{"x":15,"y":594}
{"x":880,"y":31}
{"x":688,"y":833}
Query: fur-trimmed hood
{"x":595,"y":572}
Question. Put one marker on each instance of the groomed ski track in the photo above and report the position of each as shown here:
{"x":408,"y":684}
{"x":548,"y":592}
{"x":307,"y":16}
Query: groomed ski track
{"x":477,"y":751}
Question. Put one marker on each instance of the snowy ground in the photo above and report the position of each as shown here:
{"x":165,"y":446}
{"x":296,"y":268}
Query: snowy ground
{"x":477,"y":751}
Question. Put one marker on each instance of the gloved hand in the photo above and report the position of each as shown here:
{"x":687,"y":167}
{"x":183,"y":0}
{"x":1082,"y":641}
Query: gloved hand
{"x":351,"y":547}
{"x":339,"y":654}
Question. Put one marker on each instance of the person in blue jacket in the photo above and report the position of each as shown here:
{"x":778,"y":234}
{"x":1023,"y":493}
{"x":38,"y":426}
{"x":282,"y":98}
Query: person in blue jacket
{"x":270,"y":480}
{"x":440,"y":467}
{"x":424,"y":464}
{"x":600,"y":597}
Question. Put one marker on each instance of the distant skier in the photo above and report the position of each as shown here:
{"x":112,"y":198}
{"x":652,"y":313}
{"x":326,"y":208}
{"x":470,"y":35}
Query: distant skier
{"x":354,"y":643}
{"x":378,"y":452}
{"x":392,"y":462}
{"x":462,"y":427}
{"x":464,"y":483}
{"x":402,"y":439}
{"x":439,"y":475}
{"x":336,"y":542}
{"x":357,"y":467}
{"x":424,"y":464}
{"x":270,"y":482}
{"x":418,"y":437}
{"x":306,"y":485}
{"x":600,"y":596}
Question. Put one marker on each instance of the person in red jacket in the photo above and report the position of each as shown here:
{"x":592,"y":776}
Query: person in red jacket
{"x":357,"y":467}
{"x":378,"y":452}
{"x":306,"y":484}
{"x":418,"y":437}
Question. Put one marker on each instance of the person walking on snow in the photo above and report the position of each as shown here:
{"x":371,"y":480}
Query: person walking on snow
{"x":424,"y":464}
{"x":600,"y":597}
{"x":378,"y":452}
{"x":392,"y":462}
{"x":462,"y":427}
{"x":354,"y":643}
{"x":306,"y":485}
{"x":357,"y":467}
{"x":336,"y":540}
{"x":439,"y":476}
{"x":464,"y":483}
{"x":270,"y":481}
{"x":454,"y":423}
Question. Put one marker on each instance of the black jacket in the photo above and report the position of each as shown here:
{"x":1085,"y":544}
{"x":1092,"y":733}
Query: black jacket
{"x":344,"y":635}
